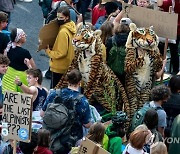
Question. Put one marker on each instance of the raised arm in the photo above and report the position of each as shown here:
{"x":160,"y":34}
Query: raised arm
{"x":28,"y":90}
{"x":118,"y":18}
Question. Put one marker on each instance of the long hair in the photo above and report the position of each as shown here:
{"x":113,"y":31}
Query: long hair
{"x":43,"y":138}
{"x":107,"y":31}
{"x":96,"y":132}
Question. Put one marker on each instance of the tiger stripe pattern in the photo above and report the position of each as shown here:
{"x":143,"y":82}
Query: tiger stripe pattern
{"x":99,"y":76}
{"x":142,"y":61}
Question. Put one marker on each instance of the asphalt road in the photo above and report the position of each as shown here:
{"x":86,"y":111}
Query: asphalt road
{"x":28,"y":16}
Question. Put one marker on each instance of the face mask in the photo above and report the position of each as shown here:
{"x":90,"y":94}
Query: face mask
{"x":61,"y":22}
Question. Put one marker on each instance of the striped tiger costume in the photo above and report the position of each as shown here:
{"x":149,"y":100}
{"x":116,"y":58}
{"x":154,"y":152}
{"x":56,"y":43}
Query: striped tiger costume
{"x":99,"y":81}
{"x":142,"y":62}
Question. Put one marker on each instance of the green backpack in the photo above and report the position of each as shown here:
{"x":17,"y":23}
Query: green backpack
{"x":116,"y":58}
{"x":138,"y":117}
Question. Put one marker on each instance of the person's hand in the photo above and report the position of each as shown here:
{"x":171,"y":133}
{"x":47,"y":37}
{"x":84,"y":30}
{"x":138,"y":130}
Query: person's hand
{"x":130,"y":1}
{"x":27,"y":62}
{"x":17,"y":80}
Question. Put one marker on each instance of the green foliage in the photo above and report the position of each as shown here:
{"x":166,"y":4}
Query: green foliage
{"x":110,"y":96}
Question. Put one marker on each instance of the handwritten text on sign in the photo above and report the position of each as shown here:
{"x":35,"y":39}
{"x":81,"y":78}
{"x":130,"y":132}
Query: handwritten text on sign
{"x":17,"y":116}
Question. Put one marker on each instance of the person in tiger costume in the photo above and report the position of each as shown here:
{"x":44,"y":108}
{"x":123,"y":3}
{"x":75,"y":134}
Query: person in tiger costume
{"x":99,"y":81}
{"x":143,"y":64}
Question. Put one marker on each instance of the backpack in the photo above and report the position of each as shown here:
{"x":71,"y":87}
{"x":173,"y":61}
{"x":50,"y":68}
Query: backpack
{"x":138,"y":117}
{"x":60,"y":118}
{"x":116,"y":58}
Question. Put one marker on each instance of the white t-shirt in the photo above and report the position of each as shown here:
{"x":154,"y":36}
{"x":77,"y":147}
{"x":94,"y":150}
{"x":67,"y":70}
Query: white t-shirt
{"x":130,"y":150}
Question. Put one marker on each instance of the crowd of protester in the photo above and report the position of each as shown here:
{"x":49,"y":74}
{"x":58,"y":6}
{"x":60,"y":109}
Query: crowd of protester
{"x":19,"y":73}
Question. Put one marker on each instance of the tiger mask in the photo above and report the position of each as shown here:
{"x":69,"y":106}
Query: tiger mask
{"x":85,"y":41}
{"x":144,"y":38}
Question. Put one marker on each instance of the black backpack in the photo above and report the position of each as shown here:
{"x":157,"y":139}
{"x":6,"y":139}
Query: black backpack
{"x":60,"y":119}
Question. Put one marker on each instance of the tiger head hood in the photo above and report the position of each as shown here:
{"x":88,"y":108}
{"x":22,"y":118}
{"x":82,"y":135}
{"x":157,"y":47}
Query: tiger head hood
{"x":144,"y":38}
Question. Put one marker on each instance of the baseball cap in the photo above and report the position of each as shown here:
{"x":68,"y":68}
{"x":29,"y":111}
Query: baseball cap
{"x":125,"y":21}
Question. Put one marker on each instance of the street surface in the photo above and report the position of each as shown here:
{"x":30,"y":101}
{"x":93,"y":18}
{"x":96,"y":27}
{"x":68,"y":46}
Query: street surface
{"x":28,"y":16}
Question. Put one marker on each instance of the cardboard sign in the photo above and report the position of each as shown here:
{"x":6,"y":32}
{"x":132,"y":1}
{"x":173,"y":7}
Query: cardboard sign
{"x":89,"y":147}
{"x":48,"y":34}
{"x":16,"y":119}
{"x":164,"y":23}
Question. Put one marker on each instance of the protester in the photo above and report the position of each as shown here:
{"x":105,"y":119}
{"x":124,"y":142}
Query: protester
{"x":138,"y":139}
{"x":7,"y":6}
{"x":43,"y":142}
{"x":56,"y":4}
{"x":174,"y":147}
{"x":115,"y":45}
{"x":19,"y":59}
{"x":140,"y":3}
{"x":62,"y":52}
{"x":4,"y":62}
{"x":28,"y":148}
{"x":45,"y":7}
{"x":172,"y":107}
{"x":76,"y":18}
{"x":82,"y":107}
{"x":34,"y":78}
{"x":158,"y":148}
{"x":3,"y":37}
{"x":110,"y":7}
{"x":146,"y":147}
{"x":98,"y":11}
{"x":151,"y":121}
{"x":165,"y":4}
{"x":160,"y":95}
{"x":107,"y":29}
{"x":143,"y":3}
{"x":82,"y":6}
{"x":115,"y":133}
{"x":96,"y":134}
